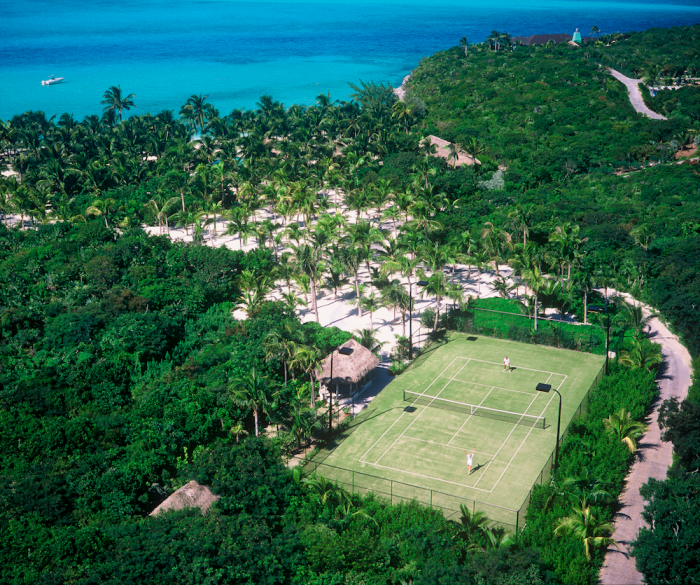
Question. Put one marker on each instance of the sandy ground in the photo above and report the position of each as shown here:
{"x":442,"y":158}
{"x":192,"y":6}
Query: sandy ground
{"x":654,"y":457}
{"x":340,"y":312}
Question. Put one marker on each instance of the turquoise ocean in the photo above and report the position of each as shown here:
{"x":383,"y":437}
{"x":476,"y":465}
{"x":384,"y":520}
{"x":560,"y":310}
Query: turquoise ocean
{"x":235,"y":51}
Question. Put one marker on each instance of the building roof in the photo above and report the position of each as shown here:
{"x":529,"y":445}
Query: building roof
{"x":443,"y":150}
{"x":349,"y":369}
{"x":190,"y":495}
{"x":543,"y":39}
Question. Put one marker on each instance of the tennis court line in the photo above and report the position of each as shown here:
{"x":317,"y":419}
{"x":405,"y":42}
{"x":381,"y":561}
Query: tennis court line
{"x":428,"y":477}
{"x":398,"y":419}
{"x":516,"y":367}
{"x":492,"y":387}
{"x":504,"y":444}
{"x":420,"y":413}
{"x":443,"y":445}
{"x":468,"y":419}
{"x":528,"y":434}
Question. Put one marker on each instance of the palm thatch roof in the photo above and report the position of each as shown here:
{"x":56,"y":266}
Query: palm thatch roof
{"x":190,"y":495}
{"x":349,"y":369}
{"x":443,"y":150}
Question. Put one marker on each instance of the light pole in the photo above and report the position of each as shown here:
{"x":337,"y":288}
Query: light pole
{"x":541,"y":387}
{"x":343,"y":351}
{"x":410,"y":317}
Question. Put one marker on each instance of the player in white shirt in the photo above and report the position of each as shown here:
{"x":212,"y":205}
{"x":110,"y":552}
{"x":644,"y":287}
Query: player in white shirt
{"x":470,"y":459}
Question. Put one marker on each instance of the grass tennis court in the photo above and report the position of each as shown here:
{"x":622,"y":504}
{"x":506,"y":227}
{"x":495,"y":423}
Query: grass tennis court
{"x":400,"y":444}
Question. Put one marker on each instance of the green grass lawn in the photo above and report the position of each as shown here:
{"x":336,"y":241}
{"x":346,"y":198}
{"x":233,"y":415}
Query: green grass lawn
{"x":406,"y":451}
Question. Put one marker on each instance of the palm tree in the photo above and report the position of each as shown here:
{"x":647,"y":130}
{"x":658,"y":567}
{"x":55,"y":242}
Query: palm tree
{"x":502,"y":286}
{"x":636,"y":320}
{"x":439,"y":287}
{"x":453,"y":153}
{"x":336,"y":276}
{"x":621,"y":426}
{"x":302,"y":422}
{"x":308,"y":259}
{"x":534,"y":278}
{"x":565,"y":237}
{"x":463,"y":42}
{"x":196,"y":111}
{"x":252,"y":391}
{"x":497,"y":537}
{"x":584,"y":526}
{"x":641,"y":356}
{"x":495,"y":240}
{"x":370,"y":303}
{"x":587,"y":488}
{"x":469,"y":524}
{"x":309,"y":360}
{"x":101,"y":207}
{"x":368,"y":338}
{"x":237,"y":431}
{"x":115,"y":102}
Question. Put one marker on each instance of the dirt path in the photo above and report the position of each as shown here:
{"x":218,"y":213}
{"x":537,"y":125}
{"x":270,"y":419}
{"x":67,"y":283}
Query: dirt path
{"x":636,"y":95}
{"x":655,"y":458}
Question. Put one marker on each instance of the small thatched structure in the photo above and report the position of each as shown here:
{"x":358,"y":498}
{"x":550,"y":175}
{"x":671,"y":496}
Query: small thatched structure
{"x":349,"y":371}
{"x":443,"y":151}
{"x":190,"y":495}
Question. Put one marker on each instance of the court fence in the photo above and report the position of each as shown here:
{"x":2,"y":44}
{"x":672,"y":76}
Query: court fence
{"x":361,"y":483}
{"x":519,"y":327}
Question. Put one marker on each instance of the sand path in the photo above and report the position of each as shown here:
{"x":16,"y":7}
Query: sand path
{"x":636,"y":95}
{"x":654,"y":460}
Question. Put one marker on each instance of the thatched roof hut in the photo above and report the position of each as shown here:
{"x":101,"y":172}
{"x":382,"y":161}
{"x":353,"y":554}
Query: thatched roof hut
{"x":190,"y":495}
{"x":349,"y":369}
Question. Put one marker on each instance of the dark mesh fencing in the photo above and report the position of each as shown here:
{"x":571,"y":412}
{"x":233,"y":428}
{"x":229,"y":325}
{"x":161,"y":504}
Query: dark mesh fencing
{"x":518,"y":327}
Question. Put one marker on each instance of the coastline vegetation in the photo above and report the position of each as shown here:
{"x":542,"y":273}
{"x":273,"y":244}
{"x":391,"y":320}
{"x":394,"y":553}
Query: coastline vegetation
{"x":124,"y":374}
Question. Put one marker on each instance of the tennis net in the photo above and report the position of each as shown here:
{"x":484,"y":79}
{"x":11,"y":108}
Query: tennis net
{"x":471,"y":409}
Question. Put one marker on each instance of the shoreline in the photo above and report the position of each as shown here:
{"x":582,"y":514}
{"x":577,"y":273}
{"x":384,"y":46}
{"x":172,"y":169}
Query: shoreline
{"x":400,"y":91}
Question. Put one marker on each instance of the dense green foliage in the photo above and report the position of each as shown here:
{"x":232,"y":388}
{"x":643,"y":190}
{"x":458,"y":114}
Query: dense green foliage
{"x":572,"y":146}
{"x":599,"y":463}
{"x":123,"y":373}
{"x":658,"y":52}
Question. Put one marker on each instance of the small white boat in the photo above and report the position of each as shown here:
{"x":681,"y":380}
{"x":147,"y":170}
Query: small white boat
{"x":53,"y":80}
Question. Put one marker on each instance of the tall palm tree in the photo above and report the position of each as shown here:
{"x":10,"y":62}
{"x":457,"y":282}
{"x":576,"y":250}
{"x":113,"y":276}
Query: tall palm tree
{"x":566,"y":238}
{"x":584,"y":526}
{"x":621,"y":426}
{"x":495,"y":240}
{"x":196,"y":111}
{"x":101,"y":207}
{"x":114,"y":101}
{"x":308,"y":259}
{"x":370,"y":303}
{"x":534,"y":279}
{"x":439,"y":287}
{"x":309,"y":360}
{"x":253,"y":391}
{"x":463,"y":42}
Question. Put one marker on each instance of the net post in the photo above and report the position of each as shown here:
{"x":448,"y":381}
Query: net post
{"x":431,"y":498}
{"x":517,"y":519}
{"x":391,"y":491}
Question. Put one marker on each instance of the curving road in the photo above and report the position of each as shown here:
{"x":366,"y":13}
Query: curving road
{"x":636,"y":95}
{"x":655,"y":456}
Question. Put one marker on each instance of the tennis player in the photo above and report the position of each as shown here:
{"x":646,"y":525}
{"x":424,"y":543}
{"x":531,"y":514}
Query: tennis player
{"x":506,"y":364}
{"x":470,"y":459}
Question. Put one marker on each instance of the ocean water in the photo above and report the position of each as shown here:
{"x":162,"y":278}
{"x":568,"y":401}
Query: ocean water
{"x":235,"y":51}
